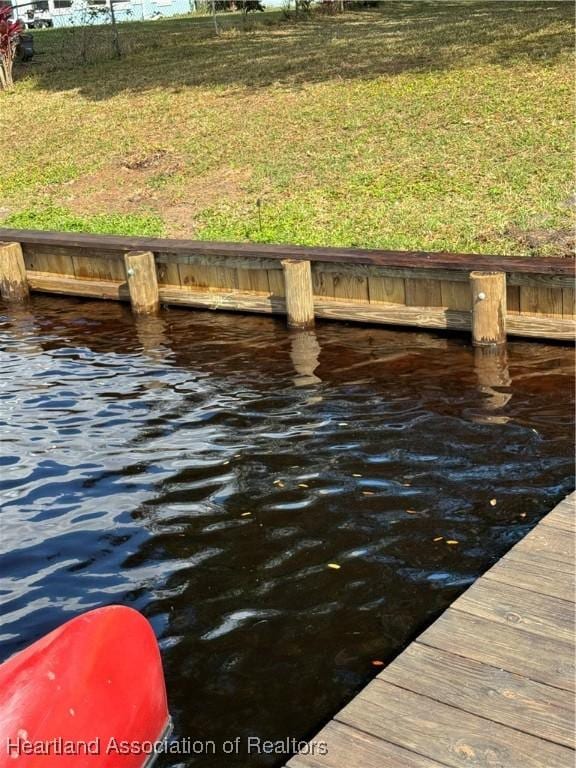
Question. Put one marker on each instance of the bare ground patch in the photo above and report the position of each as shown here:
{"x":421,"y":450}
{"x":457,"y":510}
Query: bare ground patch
{"x":158,"y":183}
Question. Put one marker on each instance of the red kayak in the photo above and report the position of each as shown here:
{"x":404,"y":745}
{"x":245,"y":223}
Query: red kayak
{"x":90,"y":693}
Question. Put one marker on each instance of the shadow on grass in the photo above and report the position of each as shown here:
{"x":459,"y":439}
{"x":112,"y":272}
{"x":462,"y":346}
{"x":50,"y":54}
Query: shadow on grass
{"x":403,"y":37}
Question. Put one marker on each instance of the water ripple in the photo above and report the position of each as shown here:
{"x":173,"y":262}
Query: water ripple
{"x":214,"y":471}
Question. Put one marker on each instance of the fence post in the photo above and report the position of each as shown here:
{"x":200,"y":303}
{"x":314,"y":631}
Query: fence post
{"x":13,"y":280}
{"x":299,"y":294}
{"x":488,"y":308}
{"x":142,"y":282}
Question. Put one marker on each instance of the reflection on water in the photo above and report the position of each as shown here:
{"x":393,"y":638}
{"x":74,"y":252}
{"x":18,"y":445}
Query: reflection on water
{"x":304,"y":353}
{"x":206,"y":468}
{"x":491,"y":365}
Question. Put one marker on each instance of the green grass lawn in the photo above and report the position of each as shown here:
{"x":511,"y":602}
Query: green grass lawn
{"x":423,"y":125}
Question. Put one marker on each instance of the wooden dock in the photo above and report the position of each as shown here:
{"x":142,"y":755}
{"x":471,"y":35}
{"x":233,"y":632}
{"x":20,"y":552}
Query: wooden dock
{"x":489,"y":685}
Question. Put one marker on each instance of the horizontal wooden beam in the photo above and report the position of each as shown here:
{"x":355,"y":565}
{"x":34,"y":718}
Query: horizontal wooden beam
{"x":533,"y":326}
{"x":76,"y":286}
{"x":216,"y":260}
{"x":420,"y":259}
{"x":393,"y":314}
{"x":236,"y":301}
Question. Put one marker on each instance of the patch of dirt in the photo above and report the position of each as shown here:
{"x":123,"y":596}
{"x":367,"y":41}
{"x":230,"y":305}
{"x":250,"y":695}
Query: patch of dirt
{"x":155,"y":183}
{"x":538,"y":241}
{"x":544,"y":242}
{"x":142,"y":162}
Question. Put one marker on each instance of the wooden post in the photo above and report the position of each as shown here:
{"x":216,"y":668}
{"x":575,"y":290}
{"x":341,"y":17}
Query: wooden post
{"x":299,"y":294}
{"x":13,"y":280}
{"x":142,"y":282}
{"x":488,"y":308}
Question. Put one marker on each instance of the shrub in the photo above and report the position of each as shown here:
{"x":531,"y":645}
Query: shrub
{"x":9,"y":34}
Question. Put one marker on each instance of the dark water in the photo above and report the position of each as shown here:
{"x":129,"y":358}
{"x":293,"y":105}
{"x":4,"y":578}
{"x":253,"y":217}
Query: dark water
{"x":198,"y":468}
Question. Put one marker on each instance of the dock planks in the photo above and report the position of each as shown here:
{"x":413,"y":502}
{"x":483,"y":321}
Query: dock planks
{"x":489,"y":685}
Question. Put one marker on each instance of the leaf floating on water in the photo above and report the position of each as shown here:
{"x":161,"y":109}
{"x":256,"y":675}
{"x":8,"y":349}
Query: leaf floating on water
{"x":493,"y":502}
{"x":303,"y":485}
{"x":377,"y":663}
{"x":522,"y":514}
{"x":334,"y":566}
{"x":367,"y":493}
{"x":411,"y":512}
{"x":342,"y":423}
{"x":279,"y":483}
{"x":245,"y":514}
{"x":438,"y":538}
{"x":452,"y":541}
{"x":355,"y":474}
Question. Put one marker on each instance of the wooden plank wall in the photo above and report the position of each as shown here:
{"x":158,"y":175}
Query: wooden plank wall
{"x":538,"y":304}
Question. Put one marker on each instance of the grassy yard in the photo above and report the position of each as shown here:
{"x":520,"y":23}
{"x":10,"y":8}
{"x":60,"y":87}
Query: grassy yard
{"x":425,"y":125}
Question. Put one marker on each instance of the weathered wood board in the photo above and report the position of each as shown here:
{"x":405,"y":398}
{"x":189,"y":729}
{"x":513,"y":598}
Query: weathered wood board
{"x":490,"y":683}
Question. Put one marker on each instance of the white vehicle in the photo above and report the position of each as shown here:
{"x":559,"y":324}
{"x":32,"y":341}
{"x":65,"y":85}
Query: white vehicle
{"x":38,"y":15}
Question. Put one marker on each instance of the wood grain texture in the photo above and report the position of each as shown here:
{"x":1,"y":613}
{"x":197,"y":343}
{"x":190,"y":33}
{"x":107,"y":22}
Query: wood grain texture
{"x":551,"y":542}
{"x":168,"y":274}
{"x":97,"y":268}
{"x":531,"y":576}
{"x":194,"y":276}
{"x":488,"y":291}
{"x":351,"y":748}
{"x":551,"y":564}
{"x":299,"y":293}
{"x":253,"y":280}
{"x":540,"y":327}
{"x":568,"y":302}
{"x":387,"y":290}
{"x":546,"y":660}
{"x":235,"y":301}
{"x":54,"y":252}
{"x":13,"y":278}
{"x":451,"y":736}
{"x":563,"y":515}
{"x":217,"y":260}
{"x":142,"y":282}
{"x":322,"y":282}
{"x":517,"y":607}
{"x":541,"y":301}
{"x":350,"y":286}
{"x":512,"y":297}
{"x":60,"y":262}
{"x":392,"y":314}
{"x":423,"y":293}
{"x":456,"y":295}
{"x":71,"y":286}
{"x":276,"y":283}
{"x":479,"y":688}
{"x":517,"y":279}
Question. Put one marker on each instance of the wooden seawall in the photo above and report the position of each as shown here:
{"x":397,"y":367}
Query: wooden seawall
{"x":489,"y":295}
{"x":489,"y":685}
